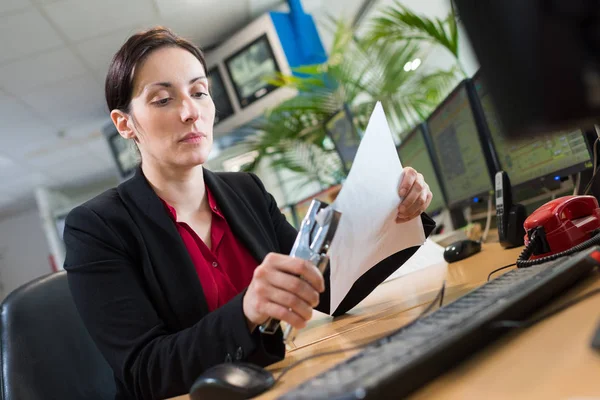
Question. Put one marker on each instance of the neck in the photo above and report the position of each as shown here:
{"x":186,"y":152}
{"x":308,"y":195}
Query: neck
{"x":182,"y":188}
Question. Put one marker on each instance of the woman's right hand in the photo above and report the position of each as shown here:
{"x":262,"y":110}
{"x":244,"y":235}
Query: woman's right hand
{"x":285,"y":288}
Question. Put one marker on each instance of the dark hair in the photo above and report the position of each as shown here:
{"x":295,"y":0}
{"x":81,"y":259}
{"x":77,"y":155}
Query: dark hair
{"x":118,"y":87}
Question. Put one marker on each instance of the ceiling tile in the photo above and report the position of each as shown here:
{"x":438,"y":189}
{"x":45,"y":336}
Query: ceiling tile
{"x":7,"y":6}
{"x":45,"y":2}
{"x":78,"y":169}
{"x":61,"y":151}
{"x":28,"y":32}
{"x":70,"y":102}
{"x":207,"y":25}
{"x":99,"y":51}
{"x":25,"y":74}
{"x":20,"y":130}
{"x":81,"y":20}
{"x":8,"y":170}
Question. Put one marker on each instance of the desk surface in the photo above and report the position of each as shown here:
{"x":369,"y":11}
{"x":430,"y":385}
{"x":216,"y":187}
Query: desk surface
{"x":552,"y":360}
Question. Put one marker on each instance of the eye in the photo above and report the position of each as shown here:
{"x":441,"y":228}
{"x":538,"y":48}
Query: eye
{"x":162,"y":102}
{"x":199,"y":95}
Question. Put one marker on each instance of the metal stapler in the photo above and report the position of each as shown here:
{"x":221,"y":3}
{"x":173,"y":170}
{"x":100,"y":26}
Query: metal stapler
{"x":312,"y":243}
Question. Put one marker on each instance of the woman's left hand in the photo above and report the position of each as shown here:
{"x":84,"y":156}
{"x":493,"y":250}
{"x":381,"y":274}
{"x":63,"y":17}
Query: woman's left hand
{"x":415,"y":195}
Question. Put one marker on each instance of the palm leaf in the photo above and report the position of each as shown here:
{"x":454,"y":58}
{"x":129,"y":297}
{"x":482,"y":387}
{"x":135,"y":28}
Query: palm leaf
{"x":356,"y":75}
{"x":398,"y":23}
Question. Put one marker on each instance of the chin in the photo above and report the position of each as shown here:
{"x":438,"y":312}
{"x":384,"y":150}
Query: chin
{"x":199,"y":158}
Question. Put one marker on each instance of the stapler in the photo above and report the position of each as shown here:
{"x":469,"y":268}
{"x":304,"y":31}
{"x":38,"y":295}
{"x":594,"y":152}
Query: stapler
{"x":312,"y":243}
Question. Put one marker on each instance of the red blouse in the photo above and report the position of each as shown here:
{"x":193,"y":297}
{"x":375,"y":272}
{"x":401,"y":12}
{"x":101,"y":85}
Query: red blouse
{"x":226,"y":268}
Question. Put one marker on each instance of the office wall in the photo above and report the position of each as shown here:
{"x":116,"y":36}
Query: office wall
{"x":23,"y":250}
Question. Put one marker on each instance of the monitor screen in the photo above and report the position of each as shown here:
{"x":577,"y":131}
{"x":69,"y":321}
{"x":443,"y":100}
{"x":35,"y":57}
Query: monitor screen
{"x":223,"y":108}
{"x":249,"y":68}
{"x":342,"y":132}
{"x":124,"y":153}
{"x":457,"y":148}
{"x":528,"y":158}
{"x":413,"y":153}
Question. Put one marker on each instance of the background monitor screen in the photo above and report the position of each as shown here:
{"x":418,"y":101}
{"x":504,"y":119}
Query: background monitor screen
{"x":528,"y":158}
{"x":342,"y":132}
{"x":124,"y":154}
{"x":223,"y":108}
{"x":413,"y":153}
{"x":250,"y":67}
{"x":457,"y":147}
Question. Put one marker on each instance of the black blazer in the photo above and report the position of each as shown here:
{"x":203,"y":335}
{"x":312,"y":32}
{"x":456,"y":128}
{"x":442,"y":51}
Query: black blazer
{"x":139,"y":296}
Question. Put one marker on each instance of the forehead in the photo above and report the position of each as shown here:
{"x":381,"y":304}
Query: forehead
{"x":167,"y":64}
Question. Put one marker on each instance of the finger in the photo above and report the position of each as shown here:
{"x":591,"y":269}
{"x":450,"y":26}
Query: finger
{"x":419,"y":205}
{"x":412,"y":196}
{"x":406,"y":219}
{"x":408,"y":178}
{"x":296,"y":285}
{"x":297,"y":266}
{"x":429,"y":199}
{"x":292,"y":302}
{"x":282,"y":313}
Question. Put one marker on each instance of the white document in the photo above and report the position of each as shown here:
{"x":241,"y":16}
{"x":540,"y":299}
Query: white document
{"x":368,"y":201}
{"x":428,"y":255}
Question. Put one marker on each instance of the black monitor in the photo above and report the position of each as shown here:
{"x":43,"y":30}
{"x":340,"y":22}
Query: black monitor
{"x":414,"y":152}
{"x":540,"y":58}
{"x":249,"y":69}
{"x":526,"y":159}
{"x":124,"y":153}
{"x":223,"y":107}
{"x":460,"y":149}
{"x":343,"y":133}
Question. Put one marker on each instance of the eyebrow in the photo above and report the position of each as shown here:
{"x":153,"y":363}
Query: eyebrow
{"x":169,"y":84}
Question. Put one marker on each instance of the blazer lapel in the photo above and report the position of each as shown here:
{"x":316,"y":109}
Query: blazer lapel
{"x":241,"y":218}
{"x":172,"y":266}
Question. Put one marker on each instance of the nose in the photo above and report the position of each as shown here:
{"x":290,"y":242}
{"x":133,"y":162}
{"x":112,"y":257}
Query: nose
{"x":190,"y":111}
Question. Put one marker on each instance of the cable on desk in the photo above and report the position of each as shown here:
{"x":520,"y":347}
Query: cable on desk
{"x":533,"y":321}
{"x":439,"y":295}
{"x":500,"y":269}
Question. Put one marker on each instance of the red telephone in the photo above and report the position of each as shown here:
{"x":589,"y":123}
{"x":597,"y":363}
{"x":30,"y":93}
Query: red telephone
{"x":562,"y":224}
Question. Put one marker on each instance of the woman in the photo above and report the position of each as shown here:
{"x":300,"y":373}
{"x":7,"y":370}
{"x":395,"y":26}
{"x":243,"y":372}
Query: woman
{"x":173,"y":270}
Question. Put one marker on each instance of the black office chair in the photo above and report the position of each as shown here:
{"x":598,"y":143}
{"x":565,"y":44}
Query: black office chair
{"x":46,"y":351}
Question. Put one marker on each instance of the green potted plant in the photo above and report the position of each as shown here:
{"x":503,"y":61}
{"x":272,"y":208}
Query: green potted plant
{"x":358,"y":73}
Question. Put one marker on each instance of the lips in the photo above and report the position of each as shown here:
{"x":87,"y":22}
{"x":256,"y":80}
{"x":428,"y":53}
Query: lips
{"x":192,"y":136}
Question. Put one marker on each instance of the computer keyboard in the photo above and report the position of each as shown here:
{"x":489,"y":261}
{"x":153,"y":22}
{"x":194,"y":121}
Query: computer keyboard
{"x":398,"y":364}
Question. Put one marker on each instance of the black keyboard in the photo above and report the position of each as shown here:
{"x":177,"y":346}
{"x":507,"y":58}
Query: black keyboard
{"x":400,"y":363}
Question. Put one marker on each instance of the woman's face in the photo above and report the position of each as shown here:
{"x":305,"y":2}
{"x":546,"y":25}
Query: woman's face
{"x":172,"y":114}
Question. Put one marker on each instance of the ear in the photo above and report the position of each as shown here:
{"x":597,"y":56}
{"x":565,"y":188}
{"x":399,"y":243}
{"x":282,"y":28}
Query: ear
{"x":121,"y":121}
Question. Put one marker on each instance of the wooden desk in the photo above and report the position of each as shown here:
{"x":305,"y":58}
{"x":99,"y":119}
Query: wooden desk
{"x":552,"y":360}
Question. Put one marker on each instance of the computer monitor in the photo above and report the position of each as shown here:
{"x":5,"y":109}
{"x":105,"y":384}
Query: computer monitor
{"x":414,"y":152}
{"x":546,"y":156}
{"x":541,"y":60}
{"x":250,"y":68}
{"x":465,"y":163}
{"x":123,"y":151}
{"x":344,"y":135}
{"x":223,"y":107}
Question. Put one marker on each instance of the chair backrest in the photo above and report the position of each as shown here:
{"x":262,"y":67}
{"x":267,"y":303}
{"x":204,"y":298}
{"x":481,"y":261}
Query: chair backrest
{"x":46,"y":351}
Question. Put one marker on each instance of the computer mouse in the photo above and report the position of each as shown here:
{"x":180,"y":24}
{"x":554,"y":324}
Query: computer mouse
{"x":231,"y":381}
{"x":461,"y":249}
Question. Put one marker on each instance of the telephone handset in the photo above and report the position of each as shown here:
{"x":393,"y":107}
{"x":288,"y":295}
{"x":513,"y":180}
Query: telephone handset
{"x":560,"y":227}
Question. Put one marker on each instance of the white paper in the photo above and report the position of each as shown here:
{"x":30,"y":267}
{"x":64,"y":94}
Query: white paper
{"x":368,"y":201}
{"x":428,"y":255}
